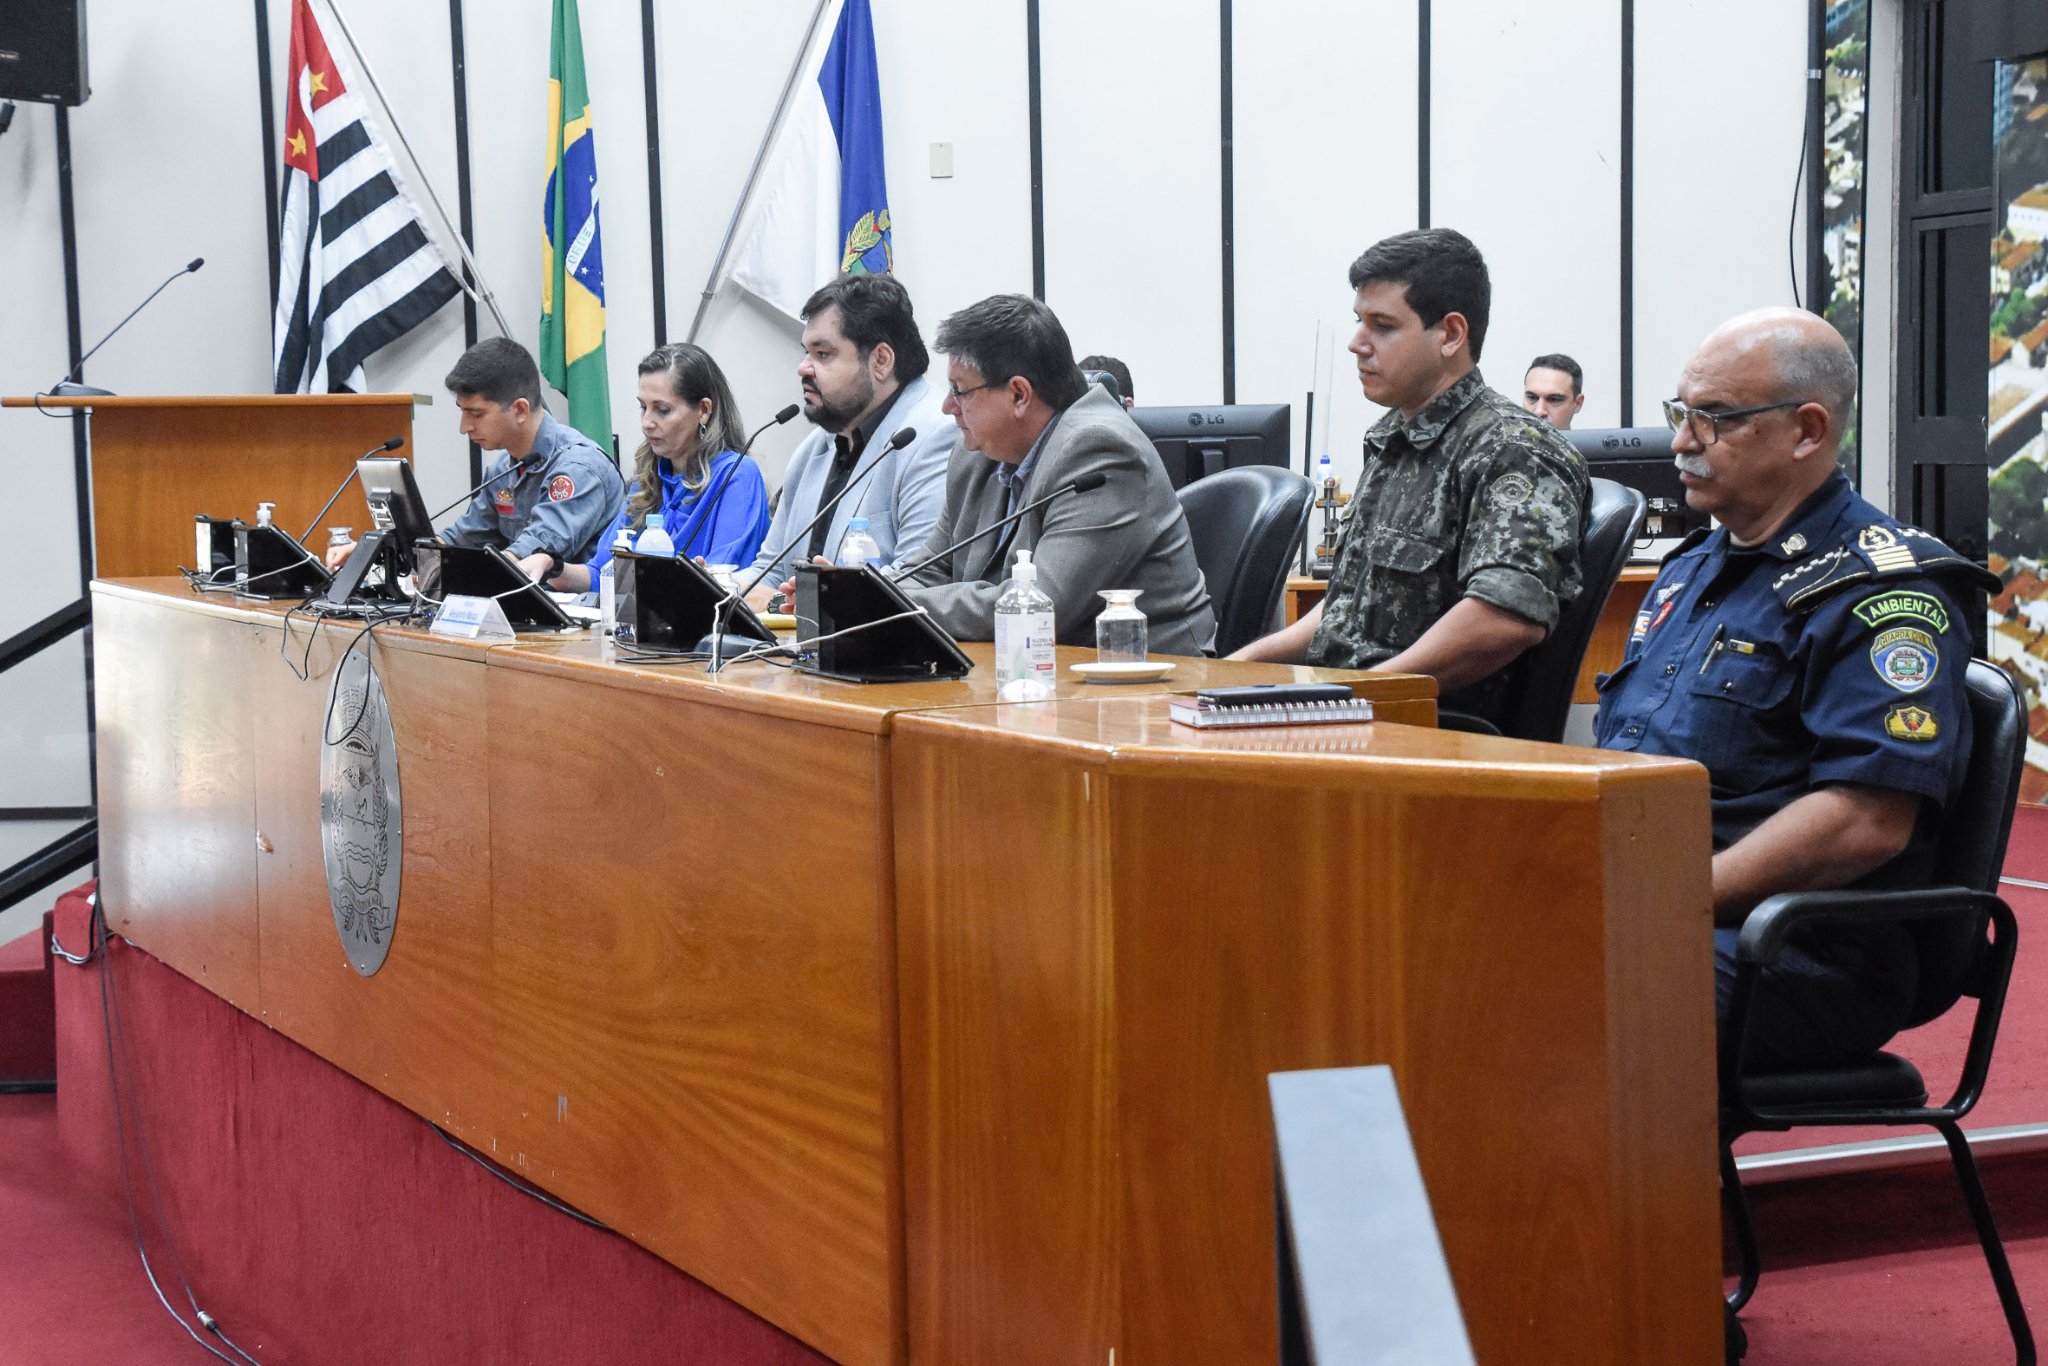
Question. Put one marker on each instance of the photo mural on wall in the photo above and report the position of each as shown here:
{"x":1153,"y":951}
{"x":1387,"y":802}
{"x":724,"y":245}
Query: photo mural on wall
{"x":2017,"y":427}
{"x":1845,"y":68}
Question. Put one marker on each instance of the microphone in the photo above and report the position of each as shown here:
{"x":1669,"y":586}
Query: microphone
{"x":903,"y":437}
{"x":393,"y":444}
{"x":708,"y":508}
{"x":65,"y":388}
{"x":1083,"y":483}
{"x":519,"y":466}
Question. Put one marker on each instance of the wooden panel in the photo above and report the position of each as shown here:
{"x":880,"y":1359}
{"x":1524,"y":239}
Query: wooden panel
{"x":693,"y":970}
{"x":1611,"y":631}
{"x":176,"y":758}
{"x":156,"y":464}
{"x":1231,"y":935}
{"x":1009,"y":1051}
{"x":411,"y":1029}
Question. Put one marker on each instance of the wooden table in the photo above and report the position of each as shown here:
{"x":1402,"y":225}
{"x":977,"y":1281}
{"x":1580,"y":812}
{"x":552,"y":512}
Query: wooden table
{"x":933,"y":1029}
{"x":1603,"y":652}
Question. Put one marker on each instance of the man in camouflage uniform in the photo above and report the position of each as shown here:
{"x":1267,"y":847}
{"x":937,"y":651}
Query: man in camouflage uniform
{"x":1461,"y":545}
{"x":1810,"y":652}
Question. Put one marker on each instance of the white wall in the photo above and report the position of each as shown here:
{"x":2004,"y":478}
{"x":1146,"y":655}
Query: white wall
{"x":1526,"y":151}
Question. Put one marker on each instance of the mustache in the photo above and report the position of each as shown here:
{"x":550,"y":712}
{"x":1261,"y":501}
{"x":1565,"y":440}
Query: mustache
{"x":1694,"y":465}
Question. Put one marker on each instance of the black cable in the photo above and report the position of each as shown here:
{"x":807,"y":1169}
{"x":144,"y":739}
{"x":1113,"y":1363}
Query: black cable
{"x":109,"y":1018}
{"x":1792,"y":225}
{"x":514,"y":1182}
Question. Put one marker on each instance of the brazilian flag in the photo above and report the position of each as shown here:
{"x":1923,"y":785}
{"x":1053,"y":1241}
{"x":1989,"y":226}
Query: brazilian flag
{"x":572,"y":259}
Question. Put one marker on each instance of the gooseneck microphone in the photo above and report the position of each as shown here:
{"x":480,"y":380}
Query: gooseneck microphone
{"x":707,"y":510}
{"x":1082,"y":483}
{"x":519,"y":466}
{"x":65,"y":388}
{"x":393,"y":444}
{"x":903,"y":437}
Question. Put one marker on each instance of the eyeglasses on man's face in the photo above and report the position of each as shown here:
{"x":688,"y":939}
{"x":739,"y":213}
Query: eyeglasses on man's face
{"x":1706,"y":426}
{"x":958,"y":393}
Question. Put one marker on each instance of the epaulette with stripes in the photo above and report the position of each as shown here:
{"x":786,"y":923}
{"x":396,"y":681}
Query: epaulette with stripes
{"x":1877,"y":553}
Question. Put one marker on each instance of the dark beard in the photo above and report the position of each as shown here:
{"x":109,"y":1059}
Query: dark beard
{"x":837,"y":417}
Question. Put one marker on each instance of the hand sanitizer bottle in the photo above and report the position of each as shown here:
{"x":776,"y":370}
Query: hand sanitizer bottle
{"x":1025,"y":667}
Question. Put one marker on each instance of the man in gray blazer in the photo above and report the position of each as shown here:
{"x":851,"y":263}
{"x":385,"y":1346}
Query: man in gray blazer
{"x":863,"y":381}
{"x":1029,"y":424}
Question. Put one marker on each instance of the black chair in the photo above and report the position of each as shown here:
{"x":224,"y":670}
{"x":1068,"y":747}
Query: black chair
{"x":1246,"y":524}
{"x":1965,"y":936}
{"x":1539,"y":692}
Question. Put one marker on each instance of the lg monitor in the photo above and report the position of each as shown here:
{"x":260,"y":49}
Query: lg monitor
{"x":1193,"y":442}
{"x":1640,"y":458}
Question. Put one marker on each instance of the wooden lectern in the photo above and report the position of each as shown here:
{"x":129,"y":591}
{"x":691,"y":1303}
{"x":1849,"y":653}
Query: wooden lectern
{"x":159,"y":461}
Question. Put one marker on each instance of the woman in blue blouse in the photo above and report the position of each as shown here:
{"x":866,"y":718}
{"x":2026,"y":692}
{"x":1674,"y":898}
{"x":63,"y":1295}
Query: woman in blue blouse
{"x":711,"y":499}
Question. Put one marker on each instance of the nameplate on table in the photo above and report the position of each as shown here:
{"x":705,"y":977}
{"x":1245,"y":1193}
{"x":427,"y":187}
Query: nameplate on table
{"x":467,"y":618}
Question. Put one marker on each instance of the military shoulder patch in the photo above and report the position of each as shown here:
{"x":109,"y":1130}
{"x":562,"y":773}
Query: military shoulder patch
{"x":1879,"y":608}
{"x":1905,"y":658}
{"x":1908,"y":722}
{"x":1511,"y":490}
{"x":561,"y":489}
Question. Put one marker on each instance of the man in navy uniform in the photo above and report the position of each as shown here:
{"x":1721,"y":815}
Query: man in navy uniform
{"x":1810,"y":652}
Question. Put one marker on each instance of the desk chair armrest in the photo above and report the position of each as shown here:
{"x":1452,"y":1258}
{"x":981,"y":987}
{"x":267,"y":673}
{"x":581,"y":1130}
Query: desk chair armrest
{"x":1764,"y":932}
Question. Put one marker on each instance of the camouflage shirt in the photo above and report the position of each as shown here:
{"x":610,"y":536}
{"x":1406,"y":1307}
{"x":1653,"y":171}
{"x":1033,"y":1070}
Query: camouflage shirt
{"x":1473,"y":498}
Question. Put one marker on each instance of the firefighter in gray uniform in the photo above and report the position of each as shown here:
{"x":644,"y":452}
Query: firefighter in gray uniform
{"x":551,"y":492}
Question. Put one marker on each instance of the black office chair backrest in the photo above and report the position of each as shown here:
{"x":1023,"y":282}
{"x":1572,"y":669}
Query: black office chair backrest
{"x":1246,"y":524}
{"x":1540,"y":696}
{"x":1970,"y":847}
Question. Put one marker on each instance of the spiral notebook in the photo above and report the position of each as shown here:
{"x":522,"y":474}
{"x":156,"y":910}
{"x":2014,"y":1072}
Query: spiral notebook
{"x":1270,"y":704}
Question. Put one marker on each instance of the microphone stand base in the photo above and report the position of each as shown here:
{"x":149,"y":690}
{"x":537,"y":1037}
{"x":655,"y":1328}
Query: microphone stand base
{"x":80,"y":391}
{"x":725,"y":646}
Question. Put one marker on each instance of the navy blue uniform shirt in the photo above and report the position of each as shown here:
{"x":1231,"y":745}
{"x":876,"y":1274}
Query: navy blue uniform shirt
{"x":1832,"y":653}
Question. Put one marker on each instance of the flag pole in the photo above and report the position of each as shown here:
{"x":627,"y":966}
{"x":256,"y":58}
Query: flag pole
{"x":732,"y":228}
{"x":485,"y":297}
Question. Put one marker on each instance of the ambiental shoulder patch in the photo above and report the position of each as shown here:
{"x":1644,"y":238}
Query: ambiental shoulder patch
{"x":1900,"y":605}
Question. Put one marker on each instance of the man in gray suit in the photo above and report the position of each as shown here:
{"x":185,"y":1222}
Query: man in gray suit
{"x":1029,"y":424}
{"x":863,"y":381}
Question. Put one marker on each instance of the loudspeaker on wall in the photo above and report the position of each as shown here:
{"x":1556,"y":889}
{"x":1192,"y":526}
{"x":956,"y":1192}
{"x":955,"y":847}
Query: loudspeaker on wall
{"x":42,"y":51}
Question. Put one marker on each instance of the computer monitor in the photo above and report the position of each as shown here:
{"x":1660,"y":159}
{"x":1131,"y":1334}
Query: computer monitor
{"x":854,"y":625}
{"x":1193,"y":442}
{"x":399,"y":522}
{"x":395,"y":503}
{"x":669,"y":604}
{"x":447,"y":571}
{"x":1640,"y":458}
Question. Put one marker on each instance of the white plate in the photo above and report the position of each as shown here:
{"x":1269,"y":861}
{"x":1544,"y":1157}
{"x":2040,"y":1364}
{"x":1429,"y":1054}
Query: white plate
{"x":1148,"y":671}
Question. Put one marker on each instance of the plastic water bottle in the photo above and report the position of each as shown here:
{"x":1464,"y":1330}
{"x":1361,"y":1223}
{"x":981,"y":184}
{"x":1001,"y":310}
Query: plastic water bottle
{"x":654,"y":541}
{"x":859,"y":547}
{"x":1025,"y":667}
{"x":607,"y":584}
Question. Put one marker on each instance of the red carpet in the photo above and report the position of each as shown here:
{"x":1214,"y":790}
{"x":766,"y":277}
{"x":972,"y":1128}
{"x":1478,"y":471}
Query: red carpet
{"x":321,"y":1222}
{"x":75,"y":1294}
{"x":1883,"y":1269}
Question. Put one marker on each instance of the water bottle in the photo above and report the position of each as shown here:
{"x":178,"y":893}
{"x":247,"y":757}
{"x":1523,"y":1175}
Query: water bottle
{"x":607,"y":585}
{"x":654,"y":541}
{"x":1025,"y":667}
{"x":859,"y":547}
